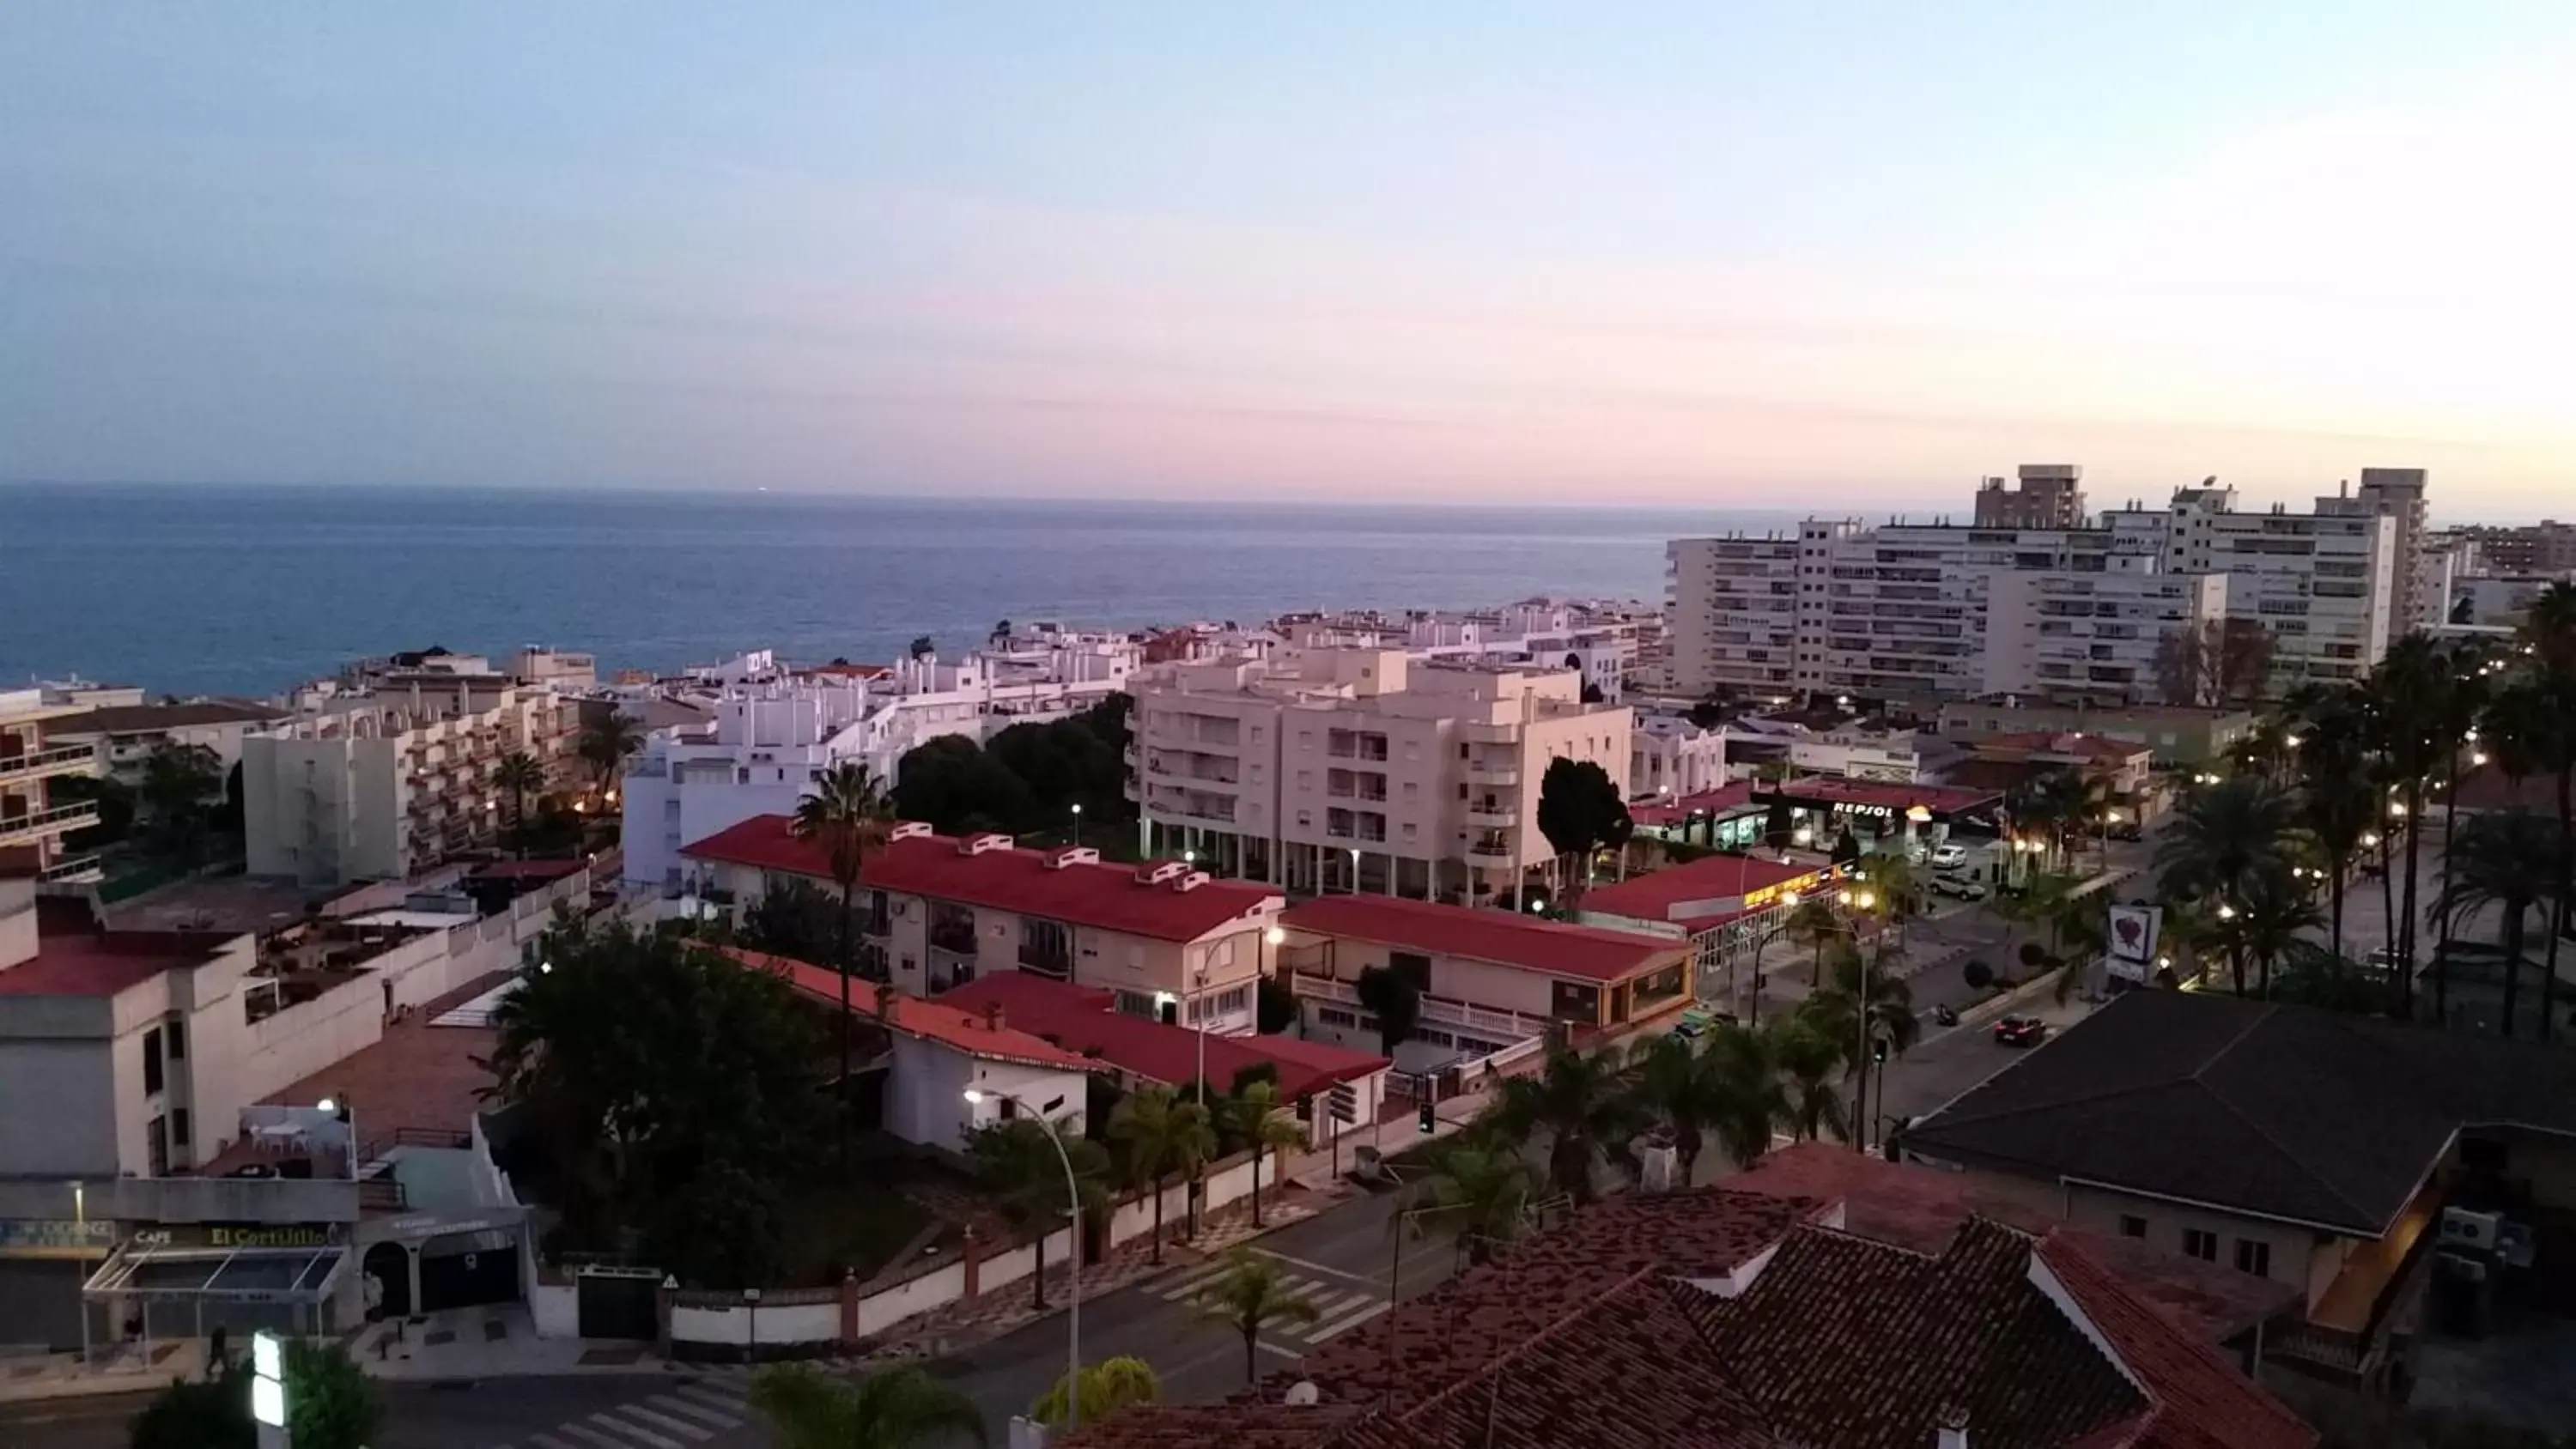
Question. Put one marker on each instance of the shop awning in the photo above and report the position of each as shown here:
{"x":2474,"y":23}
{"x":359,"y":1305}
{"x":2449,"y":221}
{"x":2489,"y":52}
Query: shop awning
{"x":230,"y":1275}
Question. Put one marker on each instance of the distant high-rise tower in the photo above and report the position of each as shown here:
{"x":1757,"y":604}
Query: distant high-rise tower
{"x":2048,"y":497}
{"x":2398,"y":493}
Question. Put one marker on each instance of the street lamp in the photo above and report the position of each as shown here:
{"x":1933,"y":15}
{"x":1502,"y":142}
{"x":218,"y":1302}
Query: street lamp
{"x":348,"y":1115}
{"x":1073,"y":1221}
{"x":1077,"y":822}
{"x":2226,"y":912}
{"x":1355,"y":870}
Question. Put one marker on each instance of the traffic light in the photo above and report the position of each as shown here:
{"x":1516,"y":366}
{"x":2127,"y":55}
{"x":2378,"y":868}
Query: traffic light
{"x":1425,"y":1118}
{"x":1878,"y":1051}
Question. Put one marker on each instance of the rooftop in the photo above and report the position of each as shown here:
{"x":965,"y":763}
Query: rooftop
{"x":419,"y":1077}
{"x":1721,"y":802}
{"x":1698,"y":893}
{"x":74,"y":958}
{"x":975,"y":1033}
{"x":1733,"y":1320}
{"x":1504,"y":938}
{"x":1833,"y":790}
{"x":2313,"y":1117}
{"x":2072,"y":744}
{"x":151,"y":718}
{"x":1009,"y":878}
{"x":1083,"y":1019}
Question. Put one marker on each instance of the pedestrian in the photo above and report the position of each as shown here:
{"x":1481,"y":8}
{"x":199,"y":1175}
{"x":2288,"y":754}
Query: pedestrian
{"x":217,"y":1358}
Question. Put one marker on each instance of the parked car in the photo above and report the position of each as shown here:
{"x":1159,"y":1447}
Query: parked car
{"x":1958,"y":887}
{"x":2020,"y":1030}
{"x":1949,"y":857}
{"x":2126,"y":830}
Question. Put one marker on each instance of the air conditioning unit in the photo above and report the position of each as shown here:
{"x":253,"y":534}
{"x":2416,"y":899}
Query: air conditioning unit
{"x":2464,"y":1230}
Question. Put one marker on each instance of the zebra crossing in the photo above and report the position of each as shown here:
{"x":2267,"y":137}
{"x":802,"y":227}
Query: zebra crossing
{"x":1341,"y":1304}
{"x":685,"y":1416}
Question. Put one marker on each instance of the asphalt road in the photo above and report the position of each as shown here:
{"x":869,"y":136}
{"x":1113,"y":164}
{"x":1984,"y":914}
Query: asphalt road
{"x":620,"y":1411}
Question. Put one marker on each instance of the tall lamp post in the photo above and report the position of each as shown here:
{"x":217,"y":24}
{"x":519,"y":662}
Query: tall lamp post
{"x":1073,"y":1221}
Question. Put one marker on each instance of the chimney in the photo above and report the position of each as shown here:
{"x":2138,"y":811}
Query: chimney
{"x":887,"y":997}
{"x":993,"y":1016}
{"x":1950,"y":1429}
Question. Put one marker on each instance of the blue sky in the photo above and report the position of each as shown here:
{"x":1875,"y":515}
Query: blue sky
{"x":1704,"y":253}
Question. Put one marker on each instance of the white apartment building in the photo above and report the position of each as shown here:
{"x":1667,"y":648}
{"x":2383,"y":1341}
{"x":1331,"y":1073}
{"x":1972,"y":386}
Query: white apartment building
{"x":382,"y":786}
{"x":33,"y":819}
{"x":1668,"y":756}
{"x":1342,"y":769}
{"x":770,"y":740}
{"x":2397,"y":494}
{"x":2323,"y":583}
{"x":1731,"y":614}
{"x":124,"y":737}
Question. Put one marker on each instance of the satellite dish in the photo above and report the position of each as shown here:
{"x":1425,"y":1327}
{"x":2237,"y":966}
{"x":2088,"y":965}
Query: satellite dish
{"x":1303,"y":1394}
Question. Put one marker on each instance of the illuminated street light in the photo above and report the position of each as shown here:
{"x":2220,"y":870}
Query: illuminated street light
{"x":2227,"y":913}
{"x":2369,"y":838}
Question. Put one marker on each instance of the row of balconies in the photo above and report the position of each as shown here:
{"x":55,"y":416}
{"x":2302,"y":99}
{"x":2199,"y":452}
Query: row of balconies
{"x":17,"y":828}
{"x":56,"y":760}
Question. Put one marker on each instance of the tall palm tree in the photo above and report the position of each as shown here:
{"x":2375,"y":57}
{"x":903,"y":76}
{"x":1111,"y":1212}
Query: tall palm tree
{"x":1677,"y":1085}
{"x":2220,"y":840}
{"x":895,"y":1408}
{"x":1808,"y":1060}
{"x":518,"y":772}
{"x":1249,"y":1296}
{"x":849,"y":817}
{"x":1753,"y":1100}
{"x":2505,"y":859}
{"x":607,"y":742}
{"x":2336,"y":806}
{"x":1253,"y":1115}
{"x":1581,"y":1105}
{"x":2412,"y":689}
{"x":2267,"y":921}
{"x":1478,"y":1194}
{"x":2465,"y":705}
{"x":1161,"y":1133}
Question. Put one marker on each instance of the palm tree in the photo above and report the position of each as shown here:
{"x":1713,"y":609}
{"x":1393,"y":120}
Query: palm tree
{"x":2220,"y":840}
{"x":606,"y":744}
{"x":849,"y":816}
{"x":896,"y":1408}
{"x":1752,"y":1100}
{"x":2336,"y":804}
{"x":1479,"y":1194}
{"x":1677,"y":1086}
{"x":1580,"y":1103}
{"x":2411,"y":690}
{"x":1815,"y":923}
{"x":1808,"y":1060}
{"x":1249,"y":1296}
{"x":2505,"y":859}
{"x":1892,"y":874}
{"x":1160,"y":1133}
{"x":1253,"y":1115}
{"x":1107,"y":1386}
{"x":518,"y":772}
{"x":2268,"y":920}
{"x":2550,"y":635}
{"x":1026,"y":1177}
{"x":1867,"y":1004}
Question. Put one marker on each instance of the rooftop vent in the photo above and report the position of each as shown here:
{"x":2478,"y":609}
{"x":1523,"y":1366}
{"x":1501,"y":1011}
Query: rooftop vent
{"x":908,"y":829}
{"x":982,"y":841}
{"x":1155,"y":872}
{"x":1063,"y":856}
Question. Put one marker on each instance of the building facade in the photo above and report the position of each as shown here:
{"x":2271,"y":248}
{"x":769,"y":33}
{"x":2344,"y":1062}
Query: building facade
{"x":2323,"y":584}
{"x":124,"y":737}
{"x":768,"y":743}
{"x":2546,"y":547}
{"x":2049,"y":495}
{"x":1343,"y":769}
{"x":34,"y":816}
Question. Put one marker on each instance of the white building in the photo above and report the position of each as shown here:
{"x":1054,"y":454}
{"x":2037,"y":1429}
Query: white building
{"x":2397,"y":494}
{"x":33,"y":817}
{"x":1341,"y":769}
{"x":2323,"y":583}
{"x":769,"y":742}
{"x":381,"y":786}
{"x":122,"y":737}
{"x":1669,"y":756}
{"x":1731,"y":614}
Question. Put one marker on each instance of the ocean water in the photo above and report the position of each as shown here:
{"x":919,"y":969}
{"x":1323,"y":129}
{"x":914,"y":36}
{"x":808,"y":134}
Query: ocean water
{"x":192,"y":589}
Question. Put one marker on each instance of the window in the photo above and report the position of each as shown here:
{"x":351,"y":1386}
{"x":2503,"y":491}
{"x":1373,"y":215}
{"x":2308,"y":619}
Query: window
{"x":152,"y":1061}
{"x":179,"y":1128}
{"x":1335,"y":1016}
{"x":178,"y":1040}
{"x":1135,"y":1003}
{"x":2254,"y":1257}
{"x":2132,"y":1227}
{"x":2200,"y":1243}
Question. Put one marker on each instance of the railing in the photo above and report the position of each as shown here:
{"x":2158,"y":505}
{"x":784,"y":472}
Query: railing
{"x":1489,"y":850}
{"x":65,"y":817}
{"x":38,"y":761}
{"x":72,"y":869}
{"x":1046,"y":962}
{"x":953,"y":940}
{"x":1438,"y":1009}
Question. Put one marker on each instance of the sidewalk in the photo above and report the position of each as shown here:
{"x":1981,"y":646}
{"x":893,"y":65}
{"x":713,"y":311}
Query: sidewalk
{"x":493,"y":1342}
{"x":126,"y":1371}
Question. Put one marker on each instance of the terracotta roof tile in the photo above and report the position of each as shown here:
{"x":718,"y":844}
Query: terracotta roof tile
{"x":1082,"y":1019}
{"x":1503,"y":938}
{"x":946,"y":1022}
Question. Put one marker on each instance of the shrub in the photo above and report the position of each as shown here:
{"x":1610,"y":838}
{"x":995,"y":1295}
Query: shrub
{"x":1979,"y":974}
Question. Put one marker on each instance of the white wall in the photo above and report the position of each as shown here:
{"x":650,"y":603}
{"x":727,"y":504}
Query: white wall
{"x":926,"y":1093}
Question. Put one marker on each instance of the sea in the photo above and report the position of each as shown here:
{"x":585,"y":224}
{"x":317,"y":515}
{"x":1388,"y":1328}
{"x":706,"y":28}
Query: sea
{"x":221,"y":589}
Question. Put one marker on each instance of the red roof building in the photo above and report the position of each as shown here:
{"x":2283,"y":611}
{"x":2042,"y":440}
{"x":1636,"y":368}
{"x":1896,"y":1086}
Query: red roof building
{"x":1699,"y":894}
{"x":986,"y":1032}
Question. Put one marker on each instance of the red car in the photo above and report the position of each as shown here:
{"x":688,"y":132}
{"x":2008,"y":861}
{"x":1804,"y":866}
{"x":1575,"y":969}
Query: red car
{"x":2021,"y":1031}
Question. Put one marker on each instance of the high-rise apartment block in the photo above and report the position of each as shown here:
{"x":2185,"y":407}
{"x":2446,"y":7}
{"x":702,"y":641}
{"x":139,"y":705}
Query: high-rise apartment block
{"x":2397,"y":494}
{"x":2531,"y":550}
{"x":2074,"y":611}
{"x":2048,"y":497}
{"x":1342,"y":769}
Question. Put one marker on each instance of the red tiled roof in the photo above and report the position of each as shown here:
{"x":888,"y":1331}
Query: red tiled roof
{"x":1081,"y":1019}
{"x":1105,"y":897}
{"x":2199,"y":1399}
{"x":1694,"y":895}
{"x":1830,"y":790}
{"x":1502,"y":937}
{"x":945,"y":1022}
{"x":1724,"y":801}
{"x":73,"y":962}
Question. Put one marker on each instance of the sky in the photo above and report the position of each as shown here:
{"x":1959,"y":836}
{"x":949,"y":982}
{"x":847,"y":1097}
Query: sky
{"x":1854,"y":254}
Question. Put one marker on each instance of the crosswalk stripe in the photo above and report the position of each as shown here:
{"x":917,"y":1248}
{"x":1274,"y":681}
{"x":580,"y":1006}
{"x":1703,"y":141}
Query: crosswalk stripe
{"x":695,"y":1410}
{"x":1194,"y":1282}
{"x":676,"y":1426}
{"x":616,"y":1419}
{"x":1324,"y":1331}
{"x":1330,"y":1304}
{"x":594,"y":1436}
{"x":722,"y":1394}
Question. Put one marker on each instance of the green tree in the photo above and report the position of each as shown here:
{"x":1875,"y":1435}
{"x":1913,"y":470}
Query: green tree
{"x":1249,"y":1296}
{"x":606,"y":742}
{"x":2220,"y":840}
{"x":2507,"y":860}
{"x":1807,"y":1060}
{"x":1867,"y":1003}
{"x":922,"y":646}
{"x":519,"y":773}
{"x":647,"y":1067}
{"x":2336,"y":805}
{"x":209,"y":1414}
{"x":1254,"y":1115}
{"x":2267,"y":923}
{"x":330,"y":1401}
{"x":793,"y":917}
{"x":2410,"y":695}
{"x":1107,"y":1386}
{"x":1579,"y":1103}
{"x":1581,"y":812}
{"x":952,"y":783}
{"x":848,"y":818}
{"x":177,"y":783}
{"x":894,"y":1408}
{"x":1753,"y":1102}
{"x":1394,"y":1000}
{"x":1814,"y":922}
{"x":1160,"y":1134}
{"x":2549,"y":633}
{"x":1477,"y":1193}
{"x":1020,"y":1167}
{"x":1678,"y":1086}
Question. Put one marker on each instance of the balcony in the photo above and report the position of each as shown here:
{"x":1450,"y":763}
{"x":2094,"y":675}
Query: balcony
{"x":36,"y":764}
{"x":1492,"y":1021}
{"x":35,"y":825}
{"x":1493,"y":850}
{"x":81,"y":868}
{"x":956,"y":940}
{"x":1045,"y":962}
{"x":1493,"y":814}
{"x":1494,"y":773}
